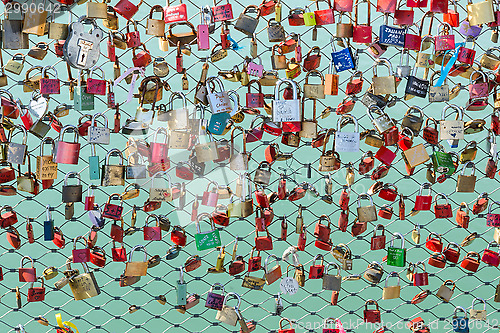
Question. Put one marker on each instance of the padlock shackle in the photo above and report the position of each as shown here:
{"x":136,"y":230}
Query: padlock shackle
{"x":114,"y":151}
{"x":396,"y":274}
{"x":371,"y":301}
{"x":440,"y":196}
{"x":420,"y":263}
{"x":93,"y":121}
{"x":481,"y":75}
{"x":398,"y":235}
{"x":267,"y":261}
{"x":281,"y":323}
{"x":138,"y":247}
{"x":377,"y":227}
{"x":459,"y":308}
{"x":349,"y":118}
{"x":217,"y":284}
{"x":157,"y":219}
{"x":381,"y":62}
{"x":490,"y":206}
{"x":334,"y":265}
{"x":469,"y":164}
{"x":423,"y":186}
{"x":77,"y":239}
{"x":480,"y":300}
{"x":364,"y":196}
{"x":449,"y":282}
{"x":288,"y":82}
{"x":72,"y":174}
{"x":457,"y":108}
{"x":47,"y":140}
{"x":67,"y":128}
{"x":29,"y":258}
{"x":200,"y":217}
{"x":46,"y":69}
{"x":235,"y":295}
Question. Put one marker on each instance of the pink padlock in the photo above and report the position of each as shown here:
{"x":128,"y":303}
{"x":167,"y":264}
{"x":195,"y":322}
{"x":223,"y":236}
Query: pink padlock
{"x":96,"y":86}
{"x":202,"y":37}
{"x":48,"y":85}
{"x":68,"y":152}
{"x":210,"y":198}
{"x":159,"y":150}
{"x":80,"y":255}
{"x":445,"y":39}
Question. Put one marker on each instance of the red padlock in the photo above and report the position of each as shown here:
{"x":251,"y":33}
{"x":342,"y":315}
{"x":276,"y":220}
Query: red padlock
{"x":388,"y":193}
{"x":80,"y":255}
{"x":385,"y":155}
{"x":358,"y":228}
{"x":451,"y":254}
{"x":263,"y":243}
{"x":178,"y":236}
{"x":261,"y":197}
{"x":59,"y":239}
{"x":437,"y":260}
{"x":159,"y":150}
{"x":48,"y":85}
{"x":442,"y":211}
{"x":335,"y":298}
{"x":118,"y":253}
{"x":420,"y":279}
{"x":142,"y":58}
{"x":491,"y":257}
{"x":372,"y":315}
{"x":355,"y":83}
{"x":481,"y":204}
{"x":385,"y":212}
{"x":36,"y":294}
{"x":466,"y":56}
{"x":285,"y":330}
{"x":266,"y":7}
{"x":254,"y":262}
{"x":89,"y":199}
{"x":116,"y":232}
{"x":423,"y":202}
{"x":220,"y":215}
{"x":379,"y":172}
{"x":152,"y":233}
{"x":113,"y":211}
{"x":98,"y":256}
{"x":317,"y":271}
{"x":463,"y":217}
{"x":68,"y":152}
{"x":8,"y":218}
{"x":321,"y":231}
{"x":377,"y":242}
{"x":495,"y":123}
{"x":126,"y":9}
{"x":29,"y":231}
{"x":133,"y":38}
{"x":431,"y":134}
{"x":493,"y":219}
{"x":391,"y":136}
{"x":434,"y":244}
{"x":471,"y":261}
{"x":343,"y":220}
{"x":344,"y":198}
{"x":405,"y":140}
{"x":491,"y":167}
{"x":282,"y":187}
{"x":27,"y":274}
{"x":366,"y":163}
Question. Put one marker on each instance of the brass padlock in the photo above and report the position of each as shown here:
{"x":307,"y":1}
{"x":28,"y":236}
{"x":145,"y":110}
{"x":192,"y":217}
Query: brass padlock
{"x":97,"y":10}
{"x":13,"y":65}
{"x":469,"y":152}
{"x":467,"y":183}
{"x":111,"y":20}
{"x":39,"y":51}
{"x":445,"y":292}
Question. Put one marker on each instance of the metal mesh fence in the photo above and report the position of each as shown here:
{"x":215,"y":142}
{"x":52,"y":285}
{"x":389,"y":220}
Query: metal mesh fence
{"x":109,"y":311}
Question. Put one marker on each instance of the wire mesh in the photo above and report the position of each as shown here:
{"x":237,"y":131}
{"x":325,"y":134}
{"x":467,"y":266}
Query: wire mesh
{"x":109,"y":311}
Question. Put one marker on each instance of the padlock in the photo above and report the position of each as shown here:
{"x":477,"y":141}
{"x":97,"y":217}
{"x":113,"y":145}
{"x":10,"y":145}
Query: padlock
{"x":451,"y":254}
{"x":420,"y":279}
{"x":317,"y":271}
{"x":377,"y":242}
{"x":136,"y":268}
{"x":372,"y":315}
{"x":113,"y":174}
{"x":438,"y":93}
{"x":127,"y":9}
{"x":272,"y":274}
{"x":347,"y":141}
{"x":330,"y":281}
{"x":444,"y":292}
{"x":391,"y":292}
{"x":460,"y":324}
{"x":246,"y":23}
{"x":391,"y":36}
{"x":423,"y":202}
{"x":467,"y":183}
{"x":155,"y":27}
{"x":344,"y":59}
{"x":442,"y":211}
{"x":208,"y":239}
{"x":36,"y":294}
{"x":97,"y":10}
{"x":396,"y":256}
{"x":374,"y":272}
{"x":385,"y":155}
{"x":367,"y":163}
{"x":27,"y":274}
{"x":382,"y":123}
{"x":471,"y":261}
{"x":491,"y":257}
{"x":366,"y":213}
{"x":80,"y":54}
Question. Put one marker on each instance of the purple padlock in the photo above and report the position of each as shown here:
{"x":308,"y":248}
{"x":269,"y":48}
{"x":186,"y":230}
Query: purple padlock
{"x":469,"y":30}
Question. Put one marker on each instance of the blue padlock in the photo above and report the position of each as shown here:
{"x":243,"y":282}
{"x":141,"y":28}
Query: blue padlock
{"x":460,"y":323}
{"x":93,"y":164}
{"x":218,"y":122}
{"x":391,"y":36}
{"x":48,"y":226}
{"x":343,"y":59}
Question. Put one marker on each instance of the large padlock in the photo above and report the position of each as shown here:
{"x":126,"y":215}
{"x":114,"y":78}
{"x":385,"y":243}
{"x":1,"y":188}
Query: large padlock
{"x":156,"y":27}
{"x":480,"y":13}
{"x":451,"y":129}
{"x":48,"y":85}
{"x":382,"y":123}
{"x":208,"y":239}
{"x":152,"y":233}
{"x":344,"y":59}
{"x":442,"y":211}
{"x":67,"y":152}
{"x":315,"y":91}
{"x":491,"y":257}
{"x":391,"y":36}
{"x":80,"y":255}
{"x":423,"y":202}
{"x":286,"y":110}
{"x":81,"y":49}
{"x":137,"y":268}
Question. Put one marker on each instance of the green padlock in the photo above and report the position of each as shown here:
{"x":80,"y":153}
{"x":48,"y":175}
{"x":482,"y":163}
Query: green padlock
{"x":442,"y":162}
{"x":83,"y":101}
{"x":181,"y":290}
{"x":396,"y":256}
{"x":208,"y":239}
{"x":309,"y":19}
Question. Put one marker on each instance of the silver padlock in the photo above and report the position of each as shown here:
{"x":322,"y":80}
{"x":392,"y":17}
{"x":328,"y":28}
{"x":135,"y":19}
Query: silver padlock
{"x":16,"y":152}
{"x":98,"y":134}
{"x":176,"y":118}
{"x":263,"y":176}
{"x":219,"y":101}
{"x":383,"y":123}
{"x":332,"y":282}
{"x":404,"y":69}
{"x":451,"y":129}
{"x":228,"y":314}
{"x":81,"y":49}
{"x":286,"y":110}
{"x":347,"y":141}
